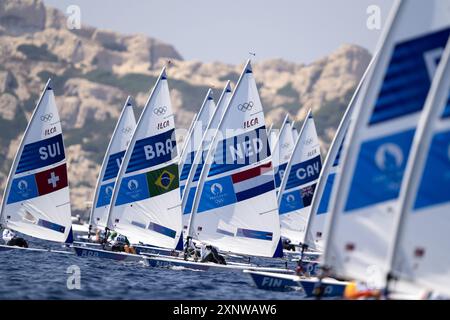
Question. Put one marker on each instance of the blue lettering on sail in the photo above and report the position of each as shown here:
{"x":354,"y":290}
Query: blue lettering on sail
{"x":435,"y":182}
{"x":379,"y":170}
{"x":407,"y":79}
{"x":278,"y":173}
{"x":240,"y":151}
{"x":41,"y":154}
{"x":151,"y":151}
{"x":113,"y":165}
{"x":304,"y":172}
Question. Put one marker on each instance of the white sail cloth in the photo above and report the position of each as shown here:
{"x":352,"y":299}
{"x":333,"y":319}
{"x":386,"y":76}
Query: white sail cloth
{"x":36,"y":200}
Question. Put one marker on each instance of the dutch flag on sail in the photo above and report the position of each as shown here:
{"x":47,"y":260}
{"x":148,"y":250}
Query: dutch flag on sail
{"x":237,"y":187}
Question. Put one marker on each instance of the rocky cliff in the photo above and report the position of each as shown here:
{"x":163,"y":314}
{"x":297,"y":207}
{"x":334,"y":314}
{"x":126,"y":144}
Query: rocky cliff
{"x":94,"y":70}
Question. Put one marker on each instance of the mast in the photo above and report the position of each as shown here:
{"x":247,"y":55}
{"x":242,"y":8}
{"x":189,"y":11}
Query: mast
{"x":289,"y":165}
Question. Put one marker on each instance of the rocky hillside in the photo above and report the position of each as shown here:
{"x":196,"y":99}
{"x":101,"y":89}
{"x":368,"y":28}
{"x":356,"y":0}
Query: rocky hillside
{"x":94,"y":70}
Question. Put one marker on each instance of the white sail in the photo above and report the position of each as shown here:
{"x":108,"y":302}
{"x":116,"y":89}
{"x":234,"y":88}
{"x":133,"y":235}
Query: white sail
{"x":315,"y":233}
{"x":422,"y":242}
{"x":36,"y":201}
{"x":118,"y":144}
{"x":187,"y":199}
{"x":272,"y":133}
{"x":282,"y":151}
{"x":294,"y":131}
{"x":194,"y":139}
{"x":235,"y":206}
{"x":378,"y":142}
{"x":146,"y":196}
{"x":299,"y":182}
{"x":188,"y":134}
{"x":269,"y":129}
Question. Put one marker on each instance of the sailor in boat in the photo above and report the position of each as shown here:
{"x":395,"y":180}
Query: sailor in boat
{"x":120,"y":243}
{"x":191,"y":250}
{"x":210,"y":254}
{"x":100,"y":236}
{"x":287,"y":245}
{"x":11,"y":239}
{"x":357,"y":290}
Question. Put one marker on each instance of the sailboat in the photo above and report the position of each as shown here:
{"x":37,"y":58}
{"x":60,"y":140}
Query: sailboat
{"x":112,"y":161}
{"x":194,"y":137}
{"x":282,"y":151}
{"x":193,"y":144}
{"x":314,"y":231}
{"x":198,"y":161}
{"x":235,"y":207}
{"x":36,"y":200}
{"x":378,"y":142}
{"x":421,"y":241}
{"x":146,"y":197}
{"x":299,"y":182}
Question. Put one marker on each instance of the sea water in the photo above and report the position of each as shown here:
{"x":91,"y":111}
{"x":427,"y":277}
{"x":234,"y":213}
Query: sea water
{"x":45,"y":275}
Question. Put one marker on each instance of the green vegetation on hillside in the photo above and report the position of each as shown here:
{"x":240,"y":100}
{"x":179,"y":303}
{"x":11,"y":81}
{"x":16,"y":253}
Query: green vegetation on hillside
{"x":33,"y":52}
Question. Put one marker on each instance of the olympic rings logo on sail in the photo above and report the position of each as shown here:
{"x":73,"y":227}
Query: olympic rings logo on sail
{"x":159,"y":111}
{"x":247,"y":106}
{"x":47,"y":117}
{"x":126,"y":130}
{"x":285,"y":145}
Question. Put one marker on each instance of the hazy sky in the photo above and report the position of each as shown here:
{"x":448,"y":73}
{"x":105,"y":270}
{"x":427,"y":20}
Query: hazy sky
{"x":212,"y":30}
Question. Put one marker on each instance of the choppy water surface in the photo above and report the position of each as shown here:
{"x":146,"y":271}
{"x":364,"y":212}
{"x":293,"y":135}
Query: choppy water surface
{"x":43,"y":275}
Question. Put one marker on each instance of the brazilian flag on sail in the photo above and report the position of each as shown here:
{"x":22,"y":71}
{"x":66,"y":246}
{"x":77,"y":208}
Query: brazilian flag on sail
{"x":163,"y":180}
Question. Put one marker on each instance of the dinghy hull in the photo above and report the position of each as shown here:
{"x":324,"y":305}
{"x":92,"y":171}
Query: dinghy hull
{"x":166,"y":262}
{"x":330,"y":288}
{"x":274,"y":282}
{"x":86,"y":252}
{"x":284,"y":282}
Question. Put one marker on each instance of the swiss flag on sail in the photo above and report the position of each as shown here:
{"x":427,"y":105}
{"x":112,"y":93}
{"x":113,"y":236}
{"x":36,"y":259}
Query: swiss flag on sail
{"x":51,"y":180}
